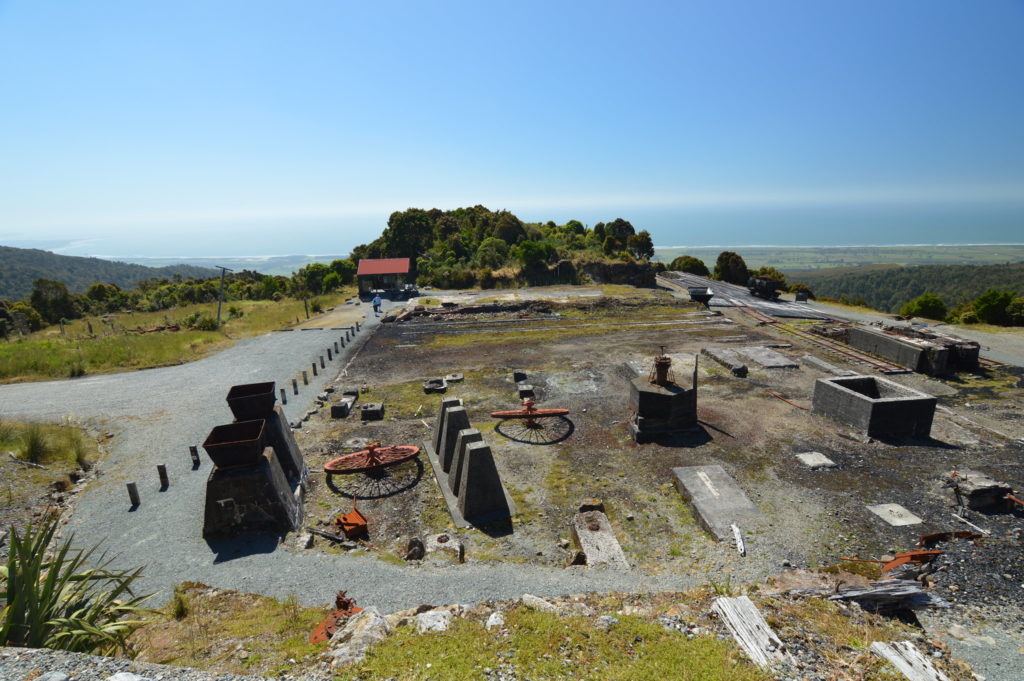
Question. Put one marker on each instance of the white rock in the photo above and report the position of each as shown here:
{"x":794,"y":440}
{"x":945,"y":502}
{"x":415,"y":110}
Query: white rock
{"x":495,"y":620}
{"x":536,"y":603}
{"x":361,"y":631}
{"x":127,"y":676}
{"x":433,"y":620}
{"x":606,"y":621}
{"x":53,"y":676}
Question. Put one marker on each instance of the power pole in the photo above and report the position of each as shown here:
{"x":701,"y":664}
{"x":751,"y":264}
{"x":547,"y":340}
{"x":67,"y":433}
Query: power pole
{"x":220,"y":294}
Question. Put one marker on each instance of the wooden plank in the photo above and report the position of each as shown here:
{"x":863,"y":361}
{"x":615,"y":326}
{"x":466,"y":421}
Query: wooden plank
{"x":751,"y":632}
{"x":908,"y":660}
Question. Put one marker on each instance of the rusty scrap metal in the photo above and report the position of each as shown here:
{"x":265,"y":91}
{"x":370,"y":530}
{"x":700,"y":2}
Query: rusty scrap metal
{"x":919,"y":557}
{"x":373,"y":458}
{"x":928,"y":540}
{"x":343,"y":607}
{"x":529,"y":412}
{"x":792,"y":404}
{"x":352,"y":524}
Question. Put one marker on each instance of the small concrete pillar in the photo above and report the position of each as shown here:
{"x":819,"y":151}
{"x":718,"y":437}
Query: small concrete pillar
{"x":295,"y":386}
{"x":330,"y":357}
{"x":322,"y":365}
{"x":284,"y":396}
{"x":133,"y":494}
{"x":335,"y":348}
{"x":161,"y":470}
{"x":446,"y":404}
{"x":463,"y":440}
{"x":193,"y":451}
{"x":480,"y":492}
{"x":455,"y":420}
{"x":305,"y":377}
{"x":313,"y":364}
{"x":342,"y":339}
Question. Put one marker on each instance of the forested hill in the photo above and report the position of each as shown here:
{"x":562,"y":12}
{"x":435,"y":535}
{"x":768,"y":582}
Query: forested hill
{"x":19,"y":267}
{"x":888,"y":287}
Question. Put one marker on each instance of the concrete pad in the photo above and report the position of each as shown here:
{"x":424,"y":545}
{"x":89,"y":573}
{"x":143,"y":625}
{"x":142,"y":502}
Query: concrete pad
{"x":594,"y":536}
{"x":768,"y":358}
{"x":816,"y":460}
{"x":716,"y":500}
{"x":894,"y":514}
{"x":730,"y":359}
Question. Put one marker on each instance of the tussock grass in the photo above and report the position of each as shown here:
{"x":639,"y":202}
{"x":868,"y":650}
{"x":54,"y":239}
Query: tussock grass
{"x":58,"y":445}
{"x":114,"y":346}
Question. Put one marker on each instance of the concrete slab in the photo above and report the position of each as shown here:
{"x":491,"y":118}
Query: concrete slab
{"x":716,"y":500}
{"x":730,"y":359}
{"x":816,"y":460}
{"x":894,"y":514}
{"x":768,"y":358}
{"x":594,"y":536}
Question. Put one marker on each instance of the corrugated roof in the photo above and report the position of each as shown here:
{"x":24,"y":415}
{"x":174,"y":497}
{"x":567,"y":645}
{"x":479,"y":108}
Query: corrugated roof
{"x":383,"y":266}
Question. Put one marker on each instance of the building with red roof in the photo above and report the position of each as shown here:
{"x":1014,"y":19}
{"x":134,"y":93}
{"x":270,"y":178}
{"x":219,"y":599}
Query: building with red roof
{"x":386,"y":274}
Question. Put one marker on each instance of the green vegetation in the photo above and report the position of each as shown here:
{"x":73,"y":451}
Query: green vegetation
{"x":731,"y":268}
{"x":54,"y":598}
{"x":476,"y":246}
{"x":22,"y":266}
{"x":545,"y":645}
{"x":48,"y":444}
{"x":687,"y":263}
{"x":109,"y":343}
{"x":928,"y":305}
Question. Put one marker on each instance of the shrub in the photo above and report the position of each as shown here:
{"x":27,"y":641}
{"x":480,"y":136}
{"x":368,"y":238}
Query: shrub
{"x":316,"y":306}
{"x":969,"y":317}
{"x":205,"y":323}
{"x":235,"y":312}
{"x":486,"y":278}
{"x":927,"y":305}
{"x":34,"y":447}
{"x":76,"y":367}
{"x":991,"y":306}
{"x":1015,"y":311}
{"x":55,"y":599}
{"x":691,"y":265}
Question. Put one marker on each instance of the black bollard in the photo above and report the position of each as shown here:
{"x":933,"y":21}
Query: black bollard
{"x":133,"y":494}
{"x":161,"y":470}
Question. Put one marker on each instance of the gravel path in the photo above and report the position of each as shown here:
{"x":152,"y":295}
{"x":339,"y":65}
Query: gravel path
{"x":156,"y":414}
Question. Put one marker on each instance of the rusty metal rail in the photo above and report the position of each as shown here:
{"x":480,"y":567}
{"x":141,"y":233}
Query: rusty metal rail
{"x":833,"y":346}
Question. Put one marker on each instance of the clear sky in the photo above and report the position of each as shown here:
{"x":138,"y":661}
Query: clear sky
{"x":240,"y":128}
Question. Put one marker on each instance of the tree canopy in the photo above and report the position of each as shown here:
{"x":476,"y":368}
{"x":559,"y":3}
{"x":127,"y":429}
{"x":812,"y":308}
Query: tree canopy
{"x":731,"y":268}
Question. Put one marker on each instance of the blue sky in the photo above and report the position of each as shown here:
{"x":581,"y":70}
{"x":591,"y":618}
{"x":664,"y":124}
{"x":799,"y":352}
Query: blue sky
{"x":217,"y":128}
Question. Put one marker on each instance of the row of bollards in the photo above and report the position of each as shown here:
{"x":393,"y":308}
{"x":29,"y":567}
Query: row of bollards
{"x":193,"y":450}
{"x":165,"y":481}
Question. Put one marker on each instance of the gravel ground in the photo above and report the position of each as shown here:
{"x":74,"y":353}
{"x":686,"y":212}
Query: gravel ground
{"x":21,"y":664}
{"x":155,"y":415}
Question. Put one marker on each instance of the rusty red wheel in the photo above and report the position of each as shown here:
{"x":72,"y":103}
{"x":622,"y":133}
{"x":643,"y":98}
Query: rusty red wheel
{"x":373,"y":458}
{"x":529,"y":412}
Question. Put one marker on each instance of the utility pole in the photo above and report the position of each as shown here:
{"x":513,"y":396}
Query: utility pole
{"x":220,"y":294}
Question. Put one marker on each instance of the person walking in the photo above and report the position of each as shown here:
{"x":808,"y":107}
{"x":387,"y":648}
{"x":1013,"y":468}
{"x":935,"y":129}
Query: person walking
{"x":376,"y":304}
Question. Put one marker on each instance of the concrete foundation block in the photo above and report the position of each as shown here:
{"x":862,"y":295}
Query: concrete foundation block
{"x":594,"y":536}
{"x":462,"y":441}
{"x":255,"y":497}
{"x":280,"y":437}
{"x":895,"y":515}
{"x":446,"y":404}
{"x":717,"y":501}
{"x":372,"y":411}
{"x":730,"y":359}
{"x":524,"y":390}
{"x":456,"y":419}
{"x":481,"y":494}
{"x":877,"y":406}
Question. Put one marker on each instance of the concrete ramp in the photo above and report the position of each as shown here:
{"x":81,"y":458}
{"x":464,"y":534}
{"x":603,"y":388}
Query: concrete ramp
{"x":715,"y":498}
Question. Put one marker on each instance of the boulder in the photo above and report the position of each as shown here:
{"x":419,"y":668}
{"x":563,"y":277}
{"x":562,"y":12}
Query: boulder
{"x":433,"y":620}
{"x":350,"y":643}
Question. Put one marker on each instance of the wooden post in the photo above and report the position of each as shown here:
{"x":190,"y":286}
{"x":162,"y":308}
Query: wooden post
{"x":295,"y":386}
{"x":133,"y":494}
{"x":358,"y":328}
{"x":322,"y":365}
{"x":284,"y":396}
{"x":314,"y":368}
{"x":335,"y":347}
{"x":194,"y":453}
{"x":161,"y":470}
{"x":305,"y":377}
{"x":330,"y":357}
{"x":305,"y":303}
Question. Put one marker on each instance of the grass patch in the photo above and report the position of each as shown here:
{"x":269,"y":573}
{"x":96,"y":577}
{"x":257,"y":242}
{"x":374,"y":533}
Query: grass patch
{"x":96,"y":345}
{"x":215,"y":627}
{"x":53,"y":445}
{"x":544,"y":645}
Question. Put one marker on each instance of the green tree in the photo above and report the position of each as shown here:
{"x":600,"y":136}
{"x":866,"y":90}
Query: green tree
{"x":332,"y":282}
{"x":25,"y":317}
{"x":533,"y":254}
{"x":731,"y":268}
{"x":991,"y":306}
{"x":689,"y":264}
{"x":52,"y":301}
{"x":641,"y":245}
{"x":1015,"y":311}
{"x":345,"y":269}
{"x":928,"y":305}
{"x":492,"y":253}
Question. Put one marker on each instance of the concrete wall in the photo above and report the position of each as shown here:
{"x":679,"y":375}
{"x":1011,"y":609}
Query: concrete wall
{"x":876,"y":406}
{"x":917,"y":355}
